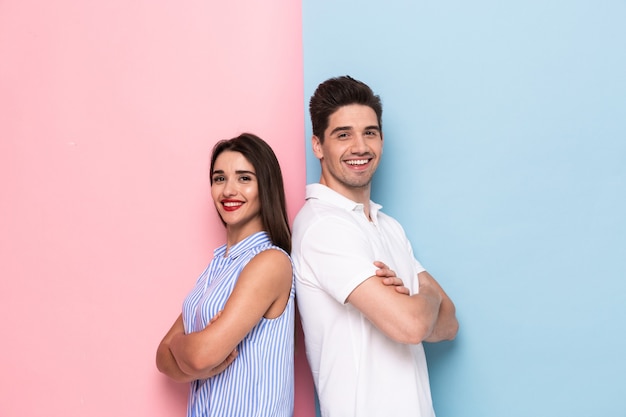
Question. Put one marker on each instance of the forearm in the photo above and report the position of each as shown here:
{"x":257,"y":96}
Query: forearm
{"x":196,"y":356}
{"x":446,"y":325}
{"x":427,"y":304}
{"x":166,"y":364}
{"x":166,"y":361}
{"x":403,"y":318}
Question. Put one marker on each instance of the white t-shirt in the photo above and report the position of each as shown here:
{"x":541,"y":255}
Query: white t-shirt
{"x":358,"y":371}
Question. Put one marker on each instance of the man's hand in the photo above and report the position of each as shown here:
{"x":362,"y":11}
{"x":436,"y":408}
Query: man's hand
{"x":389,"y":278}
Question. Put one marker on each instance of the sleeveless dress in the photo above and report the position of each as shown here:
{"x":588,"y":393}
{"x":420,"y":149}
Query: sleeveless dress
{"x":260,"y":380}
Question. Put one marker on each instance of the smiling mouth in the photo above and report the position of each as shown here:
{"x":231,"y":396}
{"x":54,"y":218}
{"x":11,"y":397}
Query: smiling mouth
{"x":231,"y":205}
{"x":357,"y":162}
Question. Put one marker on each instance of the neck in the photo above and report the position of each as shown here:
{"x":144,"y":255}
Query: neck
{"x":235,"y":235}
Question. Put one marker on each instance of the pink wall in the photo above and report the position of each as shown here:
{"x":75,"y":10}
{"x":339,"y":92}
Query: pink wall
{"x":108,"y":111}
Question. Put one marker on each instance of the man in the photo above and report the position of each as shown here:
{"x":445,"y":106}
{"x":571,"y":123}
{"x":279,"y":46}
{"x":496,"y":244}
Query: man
{"x":363,"y":335}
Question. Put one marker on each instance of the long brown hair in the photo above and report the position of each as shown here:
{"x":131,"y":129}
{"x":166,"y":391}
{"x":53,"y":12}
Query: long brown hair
{"x":270,"y":180}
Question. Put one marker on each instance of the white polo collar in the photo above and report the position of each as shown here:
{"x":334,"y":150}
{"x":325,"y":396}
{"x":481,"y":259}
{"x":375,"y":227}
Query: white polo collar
{"x":322,"y":192}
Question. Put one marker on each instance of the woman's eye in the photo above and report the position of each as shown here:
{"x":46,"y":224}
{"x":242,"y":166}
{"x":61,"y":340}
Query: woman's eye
{"x":218,"y":179}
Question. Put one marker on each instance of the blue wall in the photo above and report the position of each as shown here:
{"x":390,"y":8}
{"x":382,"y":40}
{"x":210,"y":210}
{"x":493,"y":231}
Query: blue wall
{"x":505,"y":159}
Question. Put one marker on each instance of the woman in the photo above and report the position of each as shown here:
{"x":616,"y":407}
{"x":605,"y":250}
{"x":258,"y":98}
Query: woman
{"x":234,"y":338}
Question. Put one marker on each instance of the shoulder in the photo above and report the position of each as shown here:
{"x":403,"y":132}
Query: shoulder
{"x":317,"y":215}
{"x":334,"y":232}
{"x":312,"y":210}
{"x":384,"y":217}
{"x":390,"y":223}
{"x":271,"y":254}
{"x":270,"y":262}
{"x":267,"y":275}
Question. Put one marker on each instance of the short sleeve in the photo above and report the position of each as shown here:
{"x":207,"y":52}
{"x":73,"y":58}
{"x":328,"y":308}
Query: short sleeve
{"x":339,"y":255}
{"x":416,"y":264}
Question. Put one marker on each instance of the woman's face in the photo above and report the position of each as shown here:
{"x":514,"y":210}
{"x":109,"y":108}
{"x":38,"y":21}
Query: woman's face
{"x":235,"y":192}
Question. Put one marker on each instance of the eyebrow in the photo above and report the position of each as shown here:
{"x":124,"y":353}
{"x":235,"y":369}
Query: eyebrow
{"x":347,"y":128}
{"x":238,"y":172}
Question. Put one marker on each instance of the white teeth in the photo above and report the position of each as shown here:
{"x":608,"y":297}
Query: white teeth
{"x":232,"y":204}
{"x":357,"y":162}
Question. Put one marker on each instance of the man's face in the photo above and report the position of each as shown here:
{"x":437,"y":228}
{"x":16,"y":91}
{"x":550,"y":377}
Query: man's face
{"x":353,"y":145}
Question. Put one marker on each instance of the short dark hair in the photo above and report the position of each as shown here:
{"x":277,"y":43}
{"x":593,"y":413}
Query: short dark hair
{"x":270,"y":180}
{"x":338,"y":92}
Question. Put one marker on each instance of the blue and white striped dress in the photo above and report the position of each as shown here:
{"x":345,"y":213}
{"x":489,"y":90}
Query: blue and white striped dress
{"x":260,"y":380}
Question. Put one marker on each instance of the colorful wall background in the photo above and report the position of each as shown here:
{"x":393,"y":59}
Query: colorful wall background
{"x":505,"y":158}
{"x":108,"y":113}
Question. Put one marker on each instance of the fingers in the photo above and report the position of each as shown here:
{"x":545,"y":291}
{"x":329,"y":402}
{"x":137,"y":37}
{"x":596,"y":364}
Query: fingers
{"x":220,"y":368}
{"x":392,"y":281}
{"x":229,"y":359}
{"x":215,"y":317}
{"x":402,"y":289}
{"x":390,"y":278}
{"x":398,"y":284}
{"x":383,"y":270}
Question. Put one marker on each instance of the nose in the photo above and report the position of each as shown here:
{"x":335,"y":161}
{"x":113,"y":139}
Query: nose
{"x":229,"y":189}
{"x":359,"y":145}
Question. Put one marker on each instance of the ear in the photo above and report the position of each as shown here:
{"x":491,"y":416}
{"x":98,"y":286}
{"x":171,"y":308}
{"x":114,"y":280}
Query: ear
{"x":317,"y":147}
